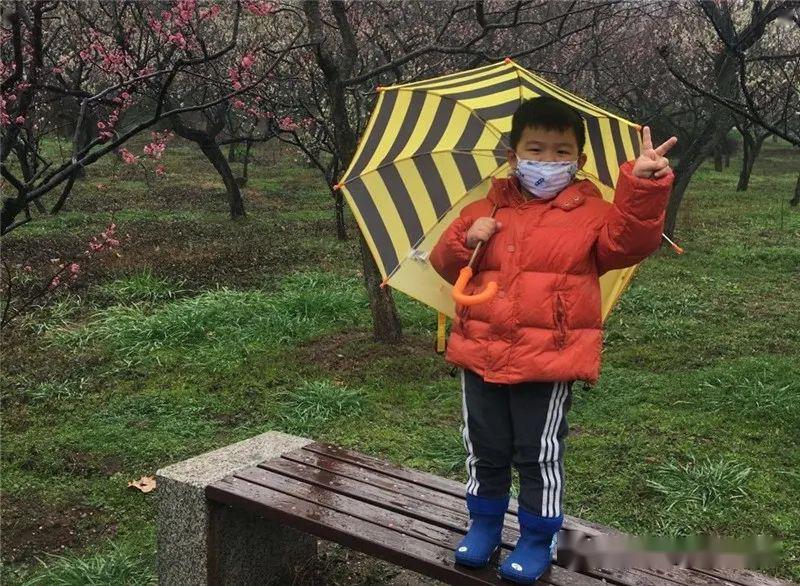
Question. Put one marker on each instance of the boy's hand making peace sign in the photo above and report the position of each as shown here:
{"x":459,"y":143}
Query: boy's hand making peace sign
{"x":651,"y":161}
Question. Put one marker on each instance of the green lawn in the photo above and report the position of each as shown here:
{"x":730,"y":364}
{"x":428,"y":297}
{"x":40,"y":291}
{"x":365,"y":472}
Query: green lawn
{"x":206,"y":331}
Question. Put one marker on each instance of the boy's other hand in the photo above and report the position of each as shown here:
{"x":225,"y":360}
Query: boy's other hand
{"x":481,"y":230}
{"x":651,"y":161}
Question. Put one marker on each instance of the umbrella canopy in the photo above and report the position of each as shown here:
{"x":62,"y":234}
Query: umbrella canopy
{"x":431,"y":147}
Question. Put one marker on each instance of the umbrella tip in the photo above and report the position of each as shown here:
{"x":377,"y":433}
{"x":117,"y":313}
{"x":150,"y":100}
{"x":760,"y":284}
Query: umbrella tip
{"x":336,"y":186}
{"x":378,"y":88}
{"x":507,"y":60}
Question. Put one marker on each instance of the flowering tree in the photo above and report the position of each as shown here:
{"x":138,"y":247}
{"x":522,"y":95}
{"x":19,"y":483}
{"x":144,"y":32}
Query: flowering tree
{"x":741,"y":44}
{"x":681,"y":93}
{"x":129,"y":65}
{"x":62,"y":275}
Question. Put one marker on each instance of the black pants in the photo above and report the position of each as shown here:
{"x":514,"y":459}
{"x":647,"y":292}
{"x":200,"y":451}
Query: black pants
{"x":523,"y":423}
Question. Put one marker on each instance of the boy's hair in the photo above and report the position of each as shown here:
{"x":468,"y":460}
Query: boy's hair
{"x":548,"y":113}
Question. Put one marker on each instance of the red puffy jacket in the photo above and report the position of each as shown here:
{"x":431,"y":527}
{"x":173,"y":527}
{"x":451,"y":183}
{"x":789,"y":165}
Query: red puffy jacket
{"x":545,"y":321}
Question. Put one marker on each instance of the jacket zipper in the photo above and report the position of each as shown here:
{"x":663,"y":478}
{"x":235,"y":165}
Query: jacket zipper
{"x":561,"y":321}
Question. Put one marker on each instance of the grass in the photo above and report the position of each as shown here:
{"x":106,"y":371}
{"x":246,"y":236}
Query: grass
{"x":206,"y":331}
{"x":117,"y":566}
{"x":698,"y":486}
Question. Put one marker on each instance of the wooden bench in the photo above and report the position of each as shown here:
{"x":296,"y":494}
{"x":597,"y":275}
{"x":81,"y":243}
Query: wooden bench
{"x":408,"y":518}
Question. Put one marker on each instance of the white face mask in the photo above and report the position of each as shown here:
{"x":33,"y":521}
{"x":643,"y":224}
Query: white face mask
{"x":545,"y":179}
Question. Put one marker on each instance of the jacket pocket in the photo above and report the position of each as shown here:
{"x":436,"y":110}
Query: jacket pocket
{"x":560,"y":319}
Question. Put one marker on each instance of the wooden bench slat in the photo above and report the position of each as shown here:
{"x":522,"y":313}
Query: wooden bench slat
{"x":388,"y":483}
{"x":431,"y":481}
{"x":352,"y":506}
{"x":746,"y":577}
{"x":628,"y":576}
{"x":370,"y":476}
{"x":686,"y":576}
{"x":449,"y":518}
{"x":417,"y":477}
{"x":350,"y":531}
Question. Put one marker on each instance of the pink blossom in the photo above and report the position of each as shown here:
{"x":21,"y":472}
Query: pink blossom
{"x":54,"y":282}
{"x":210,"y":13}
{"x":101,"y":125}
{"x":74,"y":268}
{"x":287,"y":124}
{"x":108,"y":241}
{"x":27,"y":268}
{"x":178,"y":39}
{"x":160,"y":170}
{"x":248,"y":60}
{"x":19,"y":120}
{"x":128,"y":157}
{"x":259,"y":7}
{"x":238,"y":104}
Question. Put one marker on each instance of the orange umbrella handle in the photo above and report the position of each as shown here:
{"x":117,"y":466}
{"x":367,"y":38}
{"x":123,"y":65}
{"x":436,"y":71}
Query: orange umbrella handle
{"x":458,"y":289}
{"x":466,"y":274}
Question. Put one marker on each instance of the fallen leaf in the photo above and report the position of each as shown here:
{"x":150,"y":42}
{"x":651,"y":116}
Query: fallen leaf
{"x":145,"y":483}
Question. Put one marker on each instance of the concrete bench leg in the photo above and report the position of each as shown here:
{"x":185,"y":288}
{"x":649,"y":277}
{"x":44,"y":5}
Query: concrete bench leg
{"x":246,"y":550}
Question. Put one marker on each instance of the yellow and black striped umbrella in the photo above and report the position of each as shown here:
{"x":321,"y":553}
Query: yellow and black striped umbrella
{"x":431,"y":147}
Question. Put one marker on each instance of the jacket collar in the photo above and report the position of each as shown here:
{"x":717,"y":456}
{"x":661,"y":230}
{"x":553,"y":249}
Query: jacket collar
{"x":507,"y":192}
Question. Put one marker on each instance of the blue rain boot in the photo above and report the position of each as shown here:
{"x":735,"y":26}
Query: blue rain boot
{"x":535,"y":548}
{"x":483,"y":537}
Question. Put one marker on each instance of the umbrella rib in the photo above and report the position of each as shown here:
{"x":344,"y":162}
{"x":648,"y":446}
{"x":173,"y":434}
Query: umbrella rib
{"x":414,"y":156}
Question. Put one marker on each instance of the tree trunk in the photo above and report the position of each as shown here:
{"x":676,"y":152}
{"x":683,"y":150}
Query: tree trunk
{"x":341,"y":233}
{"x":232,"y":152}
{"x":85,"y":135}
{"x":727,"y":158}
{"x":717,"y":158}
{"x":689,"y":162}
{"x":751,"y":147}
{"x":335,"y":68}
{"x":246,"y":162}
{"x":386,"y":325}
{"x":747,"y":162}
{"x":214,"y":154}
{"x":796,"y":199}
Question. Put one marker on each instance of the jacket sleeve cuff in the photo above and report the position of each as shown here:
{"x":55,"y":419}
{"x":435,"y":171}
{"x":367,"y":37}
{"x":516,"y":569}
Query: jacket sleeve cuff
{"x":457,"y":243}
{"x":643,"y":198}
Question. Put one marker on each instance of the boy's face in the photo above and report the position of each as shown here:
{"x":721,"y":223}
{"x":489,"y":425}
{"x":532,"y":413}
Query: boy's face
{"x":539,"y":144}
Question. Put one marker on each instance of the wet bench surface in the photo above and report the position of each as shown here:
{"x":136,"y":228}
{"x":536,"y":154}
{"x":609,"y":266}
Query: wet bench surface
{"x":412,"y":519}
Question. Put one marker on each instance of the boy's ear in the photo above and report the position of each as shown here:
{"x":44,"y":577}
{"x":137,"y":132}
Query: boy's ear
{"x":512,"y":158}
{"x":582,"y":158}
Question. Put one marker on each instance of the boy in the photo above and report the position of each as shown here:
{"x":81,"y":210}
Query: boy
{"x":519,"y":354}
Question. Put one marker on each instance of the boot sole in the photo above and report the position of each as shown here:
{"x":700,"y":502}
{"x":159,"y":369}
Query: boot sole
{"x":479,"y":565}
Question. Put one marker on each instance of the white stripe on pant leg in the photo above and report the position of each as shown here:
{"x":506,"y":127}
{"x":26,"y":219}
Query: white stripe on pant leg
{"x":556,"y":501}
{"x":551,"y":430}
{"x":472,"y":483}
{"x":543,"y":449}
{"x":551,"y":433}
{"x":554,"y":459}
